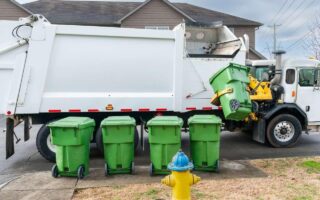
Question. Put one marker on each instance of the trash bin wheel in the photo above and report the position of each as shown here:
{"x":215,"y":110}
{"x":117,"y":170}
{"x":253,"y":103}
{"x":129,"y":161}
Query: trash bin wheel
{"x":132,"y":170}
{"x":54,"y":171}
{"x":217,"y":169}
{"x":151,"y":172}
{"x":81,"y":172}
{"x":106,"y":171}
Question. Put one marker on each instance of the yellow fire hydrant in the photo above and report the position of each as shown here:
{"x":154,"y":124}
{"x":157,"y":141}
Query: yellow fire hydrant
{"x":180,"y":179}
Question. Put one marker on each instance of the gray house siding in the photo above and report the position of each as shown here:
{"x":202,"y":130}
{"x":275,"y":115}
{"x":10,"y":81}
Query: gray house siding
{"x":239,"y":31}
{"x":155,"y":13}
{"x":10,"y":11}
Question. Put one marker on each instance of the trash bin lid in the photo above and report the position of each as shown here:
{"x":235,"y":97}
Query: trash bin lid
{"x":118,"y":120}
{"x":165,"y":121}
{"x":204,"y":119}
{"x":234,"y":65}
{"x":73,"y":122}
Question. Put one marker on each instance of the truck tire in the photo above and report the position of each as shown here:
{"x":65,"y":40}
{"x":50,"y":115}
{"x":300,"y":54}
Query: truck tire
{"x":100,"y":144}
{"x":45,"y":148}
{"x":283,"y":131}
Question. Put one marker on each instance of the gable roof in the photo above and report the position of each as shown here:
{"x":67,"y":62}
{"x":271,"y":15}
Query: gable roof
{"x":148,"y":1}
{"x":109,"y":13}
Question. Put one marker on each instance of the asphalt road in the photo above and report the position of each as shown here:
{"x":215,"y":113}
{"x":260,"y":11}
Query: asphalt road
{"x":234,"y":146}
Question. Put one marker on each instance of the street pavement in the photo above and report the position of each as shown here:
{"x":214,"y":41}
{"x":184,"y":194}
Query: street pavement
{"x":234,"y":146}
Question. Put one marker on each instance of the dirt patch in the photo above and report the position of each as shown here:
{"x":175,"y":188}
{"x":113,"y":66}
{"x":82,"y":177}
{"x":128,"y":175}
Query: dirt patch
{"x":287,"y":178}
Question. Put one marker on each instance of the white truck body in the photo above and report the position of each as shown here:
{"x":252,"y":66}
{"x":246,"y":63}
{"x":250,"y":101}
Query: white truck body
{"x":67,"y":68}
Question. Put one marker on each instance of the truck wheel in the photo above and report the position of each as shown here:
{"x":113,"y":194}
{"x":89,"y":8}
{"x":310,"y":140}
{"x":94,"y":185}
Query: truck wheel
{"x":99,"y":141}
{"x":44,"y":146}
{"x":284,"y":131}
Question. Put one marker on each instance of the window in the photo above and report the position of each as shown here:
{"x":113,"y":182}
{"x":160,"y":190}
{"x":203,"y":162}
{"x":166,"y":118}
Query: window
{"x":307,"y":77}
{"x":290,"y":76}
{"x":157,"y":27}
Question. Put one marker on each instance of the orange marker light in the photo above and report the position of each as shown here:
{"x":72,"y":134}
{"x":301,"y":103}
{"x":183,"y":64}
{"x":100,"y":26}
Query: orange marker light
{"x":293,"y":94}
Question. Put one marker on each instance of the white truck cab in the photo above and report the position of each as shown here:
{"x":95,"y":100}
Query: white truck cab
{"x":301,"y":82}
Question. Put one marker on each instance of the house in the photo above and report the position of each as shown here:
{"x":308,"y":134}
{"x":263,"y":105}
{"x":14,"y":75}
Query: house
{"x":151,"y":14}
{"x":11,"y":10}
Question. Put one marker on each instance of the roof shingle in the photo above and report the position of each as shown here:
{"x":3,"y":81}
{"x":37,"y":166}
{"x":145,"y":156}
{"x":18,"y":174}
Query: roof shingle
{"x":107,"y":13}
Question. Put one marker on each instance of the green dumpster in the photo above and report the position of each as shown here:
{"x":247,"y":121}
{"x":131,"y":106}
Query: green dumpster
{"x":165,"y":142}
{"x":118,"y":144}
{"x":230,"y":86}
{"x":205,"y":141}
{"x":71,"y":137}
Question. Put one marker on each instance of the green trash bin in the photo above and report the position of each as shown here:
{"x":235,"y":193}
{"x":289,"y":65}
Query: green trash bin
{"x":165,"y":142}
{"x":205,"y":142}
{"x":230,"y":85}
{"x":118,"y":144}
{"x":71,"y":137}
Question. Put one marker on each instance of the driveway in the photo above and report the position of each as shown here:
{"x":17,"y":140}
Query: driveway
{"x":234,"y":146}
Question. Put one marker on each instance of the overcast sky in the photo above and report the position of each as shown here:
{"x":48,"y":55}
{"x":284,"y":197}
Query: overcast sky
{"x":295,"y":19}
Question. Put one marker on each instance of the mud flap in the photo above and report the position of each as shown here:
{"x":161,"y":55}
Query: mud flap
{"x":26,"y":128}
{"x":259,"y":131}
{"x":9,"y":138}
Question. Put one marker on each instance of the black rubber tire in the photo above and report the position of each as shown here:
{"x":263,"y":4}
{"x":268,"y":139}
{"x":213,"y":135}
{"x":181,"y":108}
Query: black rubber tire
{"x":270,"y":128}
{"x":80,"y":172}
{"x":42,"y":146}
{"x":54,"y":171}
{"x":99,"y":142}
{"x":151,"y":172}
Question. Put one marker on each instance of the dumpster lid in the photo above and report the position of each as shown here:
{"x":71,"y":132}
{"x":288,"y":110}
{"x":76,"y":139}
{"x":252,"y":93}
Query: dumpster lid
{"x":204,"y":119}
{"x":165,"y":121}
{"x":73,"y":122}
{"x":234,"y":65}
{"x":118,"y":120}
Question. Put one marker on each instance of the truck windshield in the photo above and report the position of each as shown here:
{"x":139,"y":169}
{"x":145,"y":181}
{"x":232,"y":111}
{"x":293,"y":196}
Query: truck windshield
{"x":260,"y":71}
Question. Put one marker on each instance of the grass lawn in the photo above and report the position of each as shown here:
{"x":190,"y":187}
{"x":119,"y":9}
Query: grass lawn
{"x":286,"y":178}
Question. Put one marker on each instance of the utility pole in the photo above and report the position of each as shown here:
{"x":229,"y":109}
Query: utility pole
{"x":275,"y":26}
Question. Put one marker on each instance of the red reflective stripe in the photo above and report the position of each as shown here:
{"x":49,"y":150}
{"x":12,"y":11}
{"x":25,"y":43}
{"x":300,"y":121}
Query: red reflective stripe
{"x":144,"y":110}
{"x":219,"y":108}
{"x":191,"y":108}
{"x":93,"y":110}
{"x":74,"y":110}
{"x":207,"y":108}
{"x":126,"y":110}
{"x":54,"y":111}
{"x":161,"y":109}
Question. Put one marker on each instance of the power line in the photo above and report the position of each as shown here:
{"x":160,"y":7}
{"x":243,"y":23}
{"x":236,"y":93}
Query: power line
{"x":279,"y":11}
{"x":286,"y":11}
{"x":299,"y":40}
{"x":301,"y":12}
{"x":294,"y":12}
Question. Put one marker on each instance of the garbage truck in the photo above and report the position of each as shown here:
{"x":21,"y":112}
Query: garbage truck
{"x":48,"y":72}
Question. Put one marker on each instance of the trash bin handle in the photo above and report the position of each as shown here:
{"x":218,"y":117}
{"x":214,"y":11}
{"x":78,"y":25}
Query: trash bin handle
{"x":215,"y":98}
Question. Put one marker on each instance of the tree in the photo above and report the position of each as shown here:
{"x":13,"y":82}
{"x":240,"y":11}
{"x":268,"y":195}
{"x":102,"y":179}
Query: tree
{"x":312,"y":41}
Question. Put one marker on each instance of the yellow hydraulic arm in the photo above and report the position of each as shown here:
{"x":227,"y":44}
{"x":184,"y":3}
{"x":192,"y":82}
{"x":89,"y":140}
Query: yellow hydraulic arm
{"x":259,"y":91}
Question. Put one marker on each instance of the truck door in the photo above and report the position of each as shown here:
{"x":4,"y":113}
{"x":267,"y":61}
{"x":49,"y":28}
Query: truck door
{"x":308,"y":93}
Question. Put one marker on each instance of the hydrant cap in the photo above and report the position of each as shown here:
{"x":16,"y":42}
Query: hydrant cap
{"x":180,"y":162}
